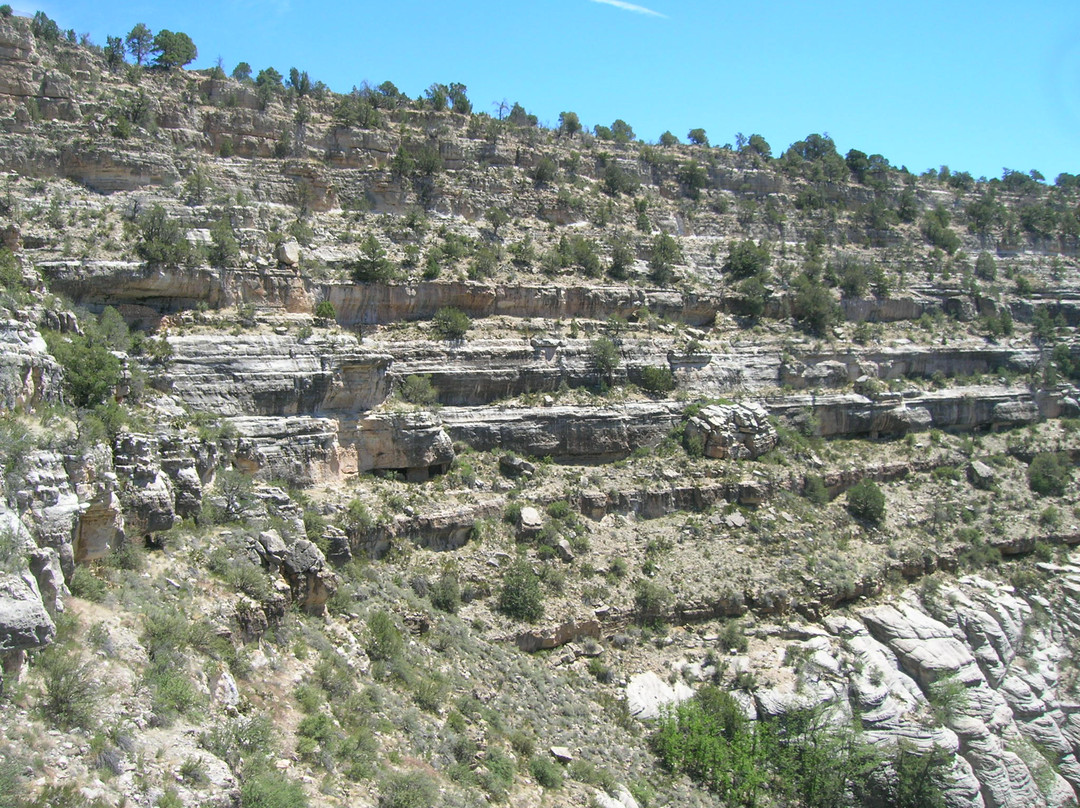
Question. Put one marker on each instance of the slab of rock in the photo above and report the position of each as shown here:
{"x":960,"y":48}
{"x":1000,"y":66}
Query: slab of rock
{"x":981,"y":475}
{"x":563,"y":549}
{"x":647,"y":695}
{"x":530,"y":522}
{"x":562,"y":754}
{"x":513,"y":466}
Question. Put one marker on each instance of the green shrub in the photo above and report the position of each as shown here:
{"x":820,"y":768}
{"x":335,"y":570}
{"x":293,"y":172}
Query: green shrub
{"x":84,"y":584}
{"x":546,"y":772}
{"x":1049,"y":473}
{"x":244,"y":738}
{"x":949,"y":473}
{"x":512,"y":513}
{"x":815,"y":490}
{"x":500,"y":774}
{"x":172,"y":693}
{"x":418,"y":390}
{"x":91,"y":372}
{"x":796,"y":759}
{"x":520,"y":596}
{"x":866,"y":501}
{"x":162,"y":239}
{"x":384,"y":640}
{"x":651,"y":600}
{"x":372,"y":266}
{"x":407,"y":790}
{"x":604,"y":357}
{"x":70,"y":692}
{"x":11,"y":785}
{"x":325,"y":310}
{"x":747,"y":259}
{"x":451,"y":324}
{"x":656,"y":380}
{"x":814,"y":307}
{"x":224,"y":249}
{"x":271,"y":789}
{"x":445,"y":593}
{"x":664,"y":253}
{"x":733,"y":637}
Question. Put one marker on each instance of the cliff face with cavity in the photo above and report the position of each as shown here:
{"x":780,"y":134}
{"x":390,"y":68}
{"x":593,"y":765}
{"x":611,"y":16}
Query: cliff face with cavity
{"x":660,"y":397}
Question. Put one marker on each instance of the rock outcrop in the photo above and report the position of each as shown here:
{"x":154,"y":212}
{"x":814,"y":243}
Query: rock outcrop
{"x":736,"y":431}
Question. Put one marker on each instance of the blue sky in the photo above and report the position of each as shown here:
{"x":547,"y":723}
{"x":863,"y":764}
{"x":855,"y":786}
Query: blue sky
{"x":978,"y":86}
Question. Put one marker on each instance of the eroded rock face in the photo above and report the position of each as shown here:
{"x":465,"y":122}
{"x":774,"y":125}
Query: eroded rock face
{"x":310,"y":578}
{"x":589,"y":434}
{"x":28,"y":373}
{"x":413,"y":442}
{"x":24,"y":621}
{"x":647,"y":695}
{"x":737,"y":431}
{"x":146,"y":490}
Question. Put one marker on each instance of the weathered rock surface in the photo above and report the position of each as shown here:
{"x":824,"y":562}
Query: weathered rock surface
{"x":737,"y":431}
{"x":309,"y":576}
{"x":24,"y":621}
{"x":647,"y":695}
{"x":28,"y":373}
{"x":582,"y":434}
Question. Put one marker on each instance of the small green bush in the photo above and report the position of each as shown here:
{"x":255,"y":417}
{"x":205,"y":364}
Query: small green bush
{"x":866,"y":501}
{"x":815,"y":490}
{"x":651,"y":600}
{"x":546,"y":772}
{"x":1049,"y":474}
{"x":270,"y":789}
{"x":418,"y":390}
{"x":84,"y":584}
{"x":91,"y":372}
{"x":70,"y":693}
{"x":520,"y":596}
{"x":656,"y":380}
{"x":325,"y":310}
{"x":407,"y":790}
{"x":384,"y":640}
{"x":451,"y":324}
{"x":172,"y":693}
{"x":445,"y":593}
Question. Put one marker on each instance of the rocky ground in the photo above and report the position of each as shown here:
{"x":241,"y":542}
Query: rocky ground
{"x":308,"y":545}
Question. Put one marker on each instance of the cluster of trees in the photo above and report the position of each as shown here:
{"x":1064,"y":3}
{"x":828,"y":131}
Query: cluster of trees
{"x":799,"y":758}
{"x":170,"y":49}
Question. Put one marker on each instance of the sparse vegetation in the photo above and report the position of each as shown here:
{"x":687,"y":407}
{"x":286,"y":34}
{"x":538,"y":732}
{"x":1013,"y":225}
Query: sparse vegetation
{"x":866,"y":501}
{"x":286,"y":541}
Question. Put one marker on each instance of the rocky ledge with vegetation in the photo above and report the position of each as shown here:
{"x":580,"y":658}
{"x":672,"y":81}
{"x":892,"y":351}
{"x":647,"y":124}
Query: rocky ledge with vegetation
{"x":367,"y":450}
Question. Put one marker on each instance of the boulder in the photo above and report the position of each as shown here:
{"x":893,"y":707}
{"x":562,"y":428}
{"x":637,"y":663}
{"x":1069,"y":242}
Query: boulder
{"x":513,"y":466}
{"x":530,"y":523}
{"x":414,"y":443}
{"x":288,"y":253}
{"x":24,"y":621}
{"x":981,"y":475}
{"x":45,"y":567}
{"x":566,"y":554}
{"x":338,"y":551}
{"x":271,"y":549}
{"x":622,"y":798}
{"x":311,"y":581}
{"x":562,"y":754}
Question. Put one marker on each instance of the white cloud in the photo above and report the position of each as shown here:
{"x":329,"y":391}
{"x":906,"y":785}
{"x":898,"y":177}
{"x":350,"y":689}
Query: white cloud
{"x":631,"y":7}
